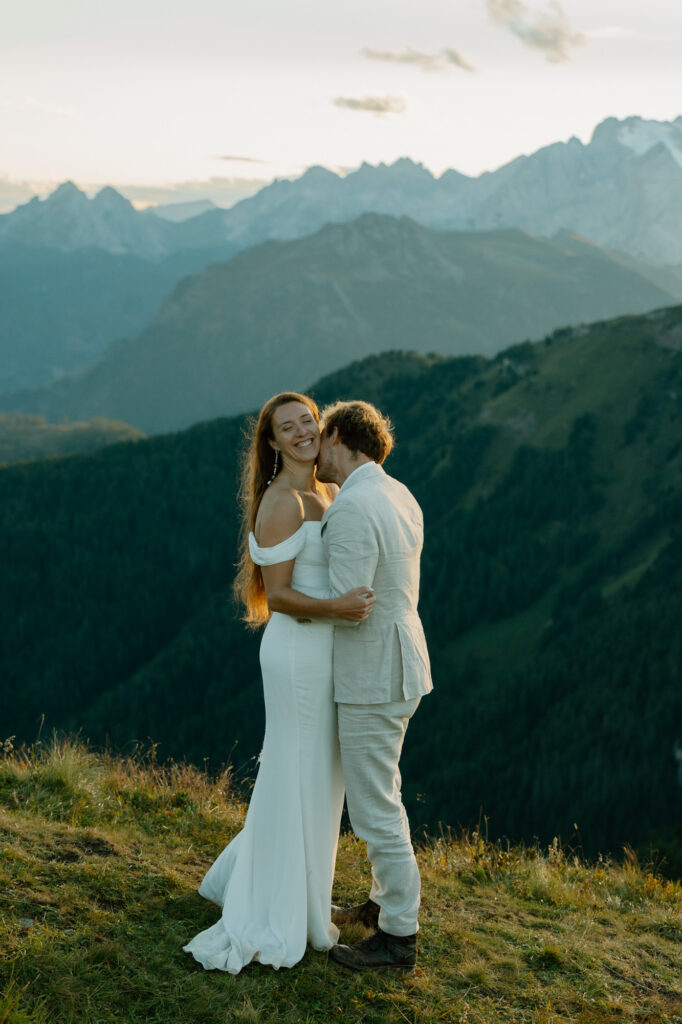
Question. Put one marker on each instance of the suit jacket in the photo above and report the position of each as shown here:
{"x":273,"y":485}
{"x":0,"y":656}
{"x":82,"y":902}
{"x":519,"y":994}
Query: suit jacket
{"x":373,"y":533}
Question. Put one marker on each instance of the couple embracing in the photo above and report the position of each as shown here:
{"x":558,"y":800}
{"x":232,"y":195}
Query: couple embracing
{"x":330,"y":561}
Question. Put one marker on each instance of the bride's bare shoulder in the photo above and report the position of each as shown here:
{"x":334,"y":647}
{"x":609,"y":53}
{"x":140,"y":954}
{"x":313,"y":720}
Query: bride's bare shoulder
{"x":280,"y":514}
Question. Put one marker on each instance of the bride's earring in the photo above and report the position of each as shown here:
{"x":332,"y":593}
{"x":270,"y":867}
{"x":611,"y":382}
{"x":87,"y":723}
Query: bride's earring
{"x":274,"y":471}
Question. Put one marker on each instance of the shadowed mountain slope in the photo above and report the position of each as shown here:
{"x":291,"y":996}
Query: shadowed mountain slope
{"x":281,"y":314}
{"x":60,"y":310}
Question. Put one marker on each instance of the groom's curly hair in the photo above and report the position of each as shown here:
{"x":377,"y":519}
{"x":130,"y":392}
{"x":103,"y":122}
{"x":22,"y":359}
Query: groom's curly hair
{"x":361,"y":427}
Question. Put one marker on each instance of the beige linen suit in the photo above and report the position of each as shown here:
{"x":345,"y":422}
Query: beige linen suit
{"x":373,"y":534}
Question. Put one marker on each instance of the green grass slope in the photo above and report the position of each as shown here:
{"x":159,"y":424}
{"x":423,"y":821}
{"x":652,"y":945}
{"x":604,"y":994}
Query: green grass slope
{"x":551,"y":483}
{"x":101,"y":858}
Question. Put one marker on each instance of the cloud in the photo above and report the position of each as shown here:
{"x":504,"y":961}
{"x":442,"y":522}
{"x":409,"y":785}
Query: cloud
{"x":426,"y":61}
{"x":454,"y":57}
{"x":377,"y":105}
{"x":243,"y":159}
{"x":546,"y":30}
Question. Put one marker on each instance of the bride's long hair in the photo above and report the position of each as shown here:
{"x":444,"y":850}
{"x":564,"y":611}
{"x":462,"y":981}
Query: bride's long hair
{"x":258,"y":467}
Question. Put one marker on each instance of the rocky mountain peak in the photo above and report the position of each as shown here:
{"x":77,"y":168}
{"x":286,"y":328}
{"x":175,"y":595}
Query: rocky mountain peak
{"x":411,"y":169}
{"x":319,"y":175}
{"x":402,"y":169}
{"x":69,"y":221}
{"x":639,"y":135}
{"x":606,"y":133}
{"x":68,"y":191}
{"x":109,"y":197}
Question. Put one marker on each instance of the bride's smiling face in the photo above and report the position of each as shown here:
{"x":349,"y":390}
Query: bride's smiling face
{"x":295,"y":432}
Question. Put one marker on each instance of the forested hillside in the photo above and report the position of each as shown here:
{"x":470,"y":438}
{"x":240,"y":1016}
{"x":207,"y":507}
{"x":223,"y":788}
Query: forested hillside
{"x":551,"y":482}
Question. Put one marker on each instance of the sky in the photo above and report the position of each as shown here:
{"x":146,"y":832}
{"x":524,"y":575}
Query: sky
{"x":174,"y":100}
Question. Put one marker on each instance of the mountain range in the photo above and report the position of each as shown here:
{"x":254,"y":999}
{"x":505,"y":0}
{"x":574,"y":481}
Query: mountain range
{"x":623,"y":191}
{"x":77,"y":274}
{"x":279,"y":315}
{"x":551,"y":481}
{"x":67,"y":220}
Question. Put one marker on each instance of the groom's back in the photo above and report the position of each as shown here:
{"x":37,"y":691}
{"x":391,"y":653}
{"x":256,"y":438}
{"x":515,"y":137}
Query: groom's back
{"x":395,"y":519}
{"x":385,"y":657}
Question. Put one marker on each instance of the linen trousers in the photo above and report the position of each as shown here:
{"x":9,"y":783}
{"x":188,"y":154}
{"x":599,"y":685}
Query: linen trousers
{"x":371,"y":739}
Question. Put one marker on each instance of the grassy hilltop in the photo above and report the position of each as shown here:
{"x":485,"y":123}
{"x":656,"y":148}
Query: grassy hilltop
{"x":101,"y":857}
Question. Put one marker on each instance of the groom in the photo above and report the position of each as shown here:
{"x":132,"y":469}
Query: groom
{"x":373,"y":532}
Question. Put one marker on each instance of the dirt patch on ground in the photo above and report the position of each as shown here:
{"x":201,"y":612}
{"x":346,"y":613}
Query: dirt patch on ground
{"x":76,"y":849}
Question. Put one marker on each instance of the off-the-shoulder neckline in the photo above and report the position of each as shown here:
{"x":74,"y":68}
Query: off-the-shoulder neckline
{"x":306,"y":522}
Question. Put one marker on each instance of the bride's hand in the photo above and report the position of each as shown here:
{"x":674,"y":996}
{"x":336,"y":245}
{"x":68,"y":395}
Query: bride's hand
{"x":356,"y":604}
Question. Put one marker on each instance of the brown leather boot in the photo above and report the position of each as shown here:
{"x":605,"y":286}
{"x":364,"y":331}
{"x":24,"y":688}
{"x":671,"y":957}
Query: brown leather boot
{"x":366,"y":914}
{"x":381,"y":950}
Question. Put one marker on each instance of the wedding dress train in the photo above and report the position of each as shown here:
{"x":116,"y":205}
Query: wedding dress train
{"x":274,"y":880}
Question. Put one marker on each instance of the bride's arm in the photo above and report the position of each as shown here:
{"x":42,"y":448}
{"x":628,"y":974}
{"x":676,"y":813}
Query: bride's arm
{"x":284,"y":517}
{"x":353,"y":606}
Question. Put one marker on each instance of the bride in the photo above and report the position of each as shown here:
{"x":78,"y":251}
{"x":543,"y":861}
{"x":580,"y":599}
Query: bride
{"x":273,"y":881}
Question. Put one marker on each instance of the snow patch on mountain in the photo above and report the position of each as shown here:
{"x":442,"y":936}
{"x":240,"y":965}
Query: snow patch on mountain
{"x":641,"y":135}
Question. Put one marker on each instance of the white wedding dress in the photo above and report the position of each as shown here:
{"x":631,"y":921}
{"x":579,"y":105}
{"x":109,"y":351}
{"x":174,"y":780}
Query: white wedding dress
{"x":274,"y":880}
